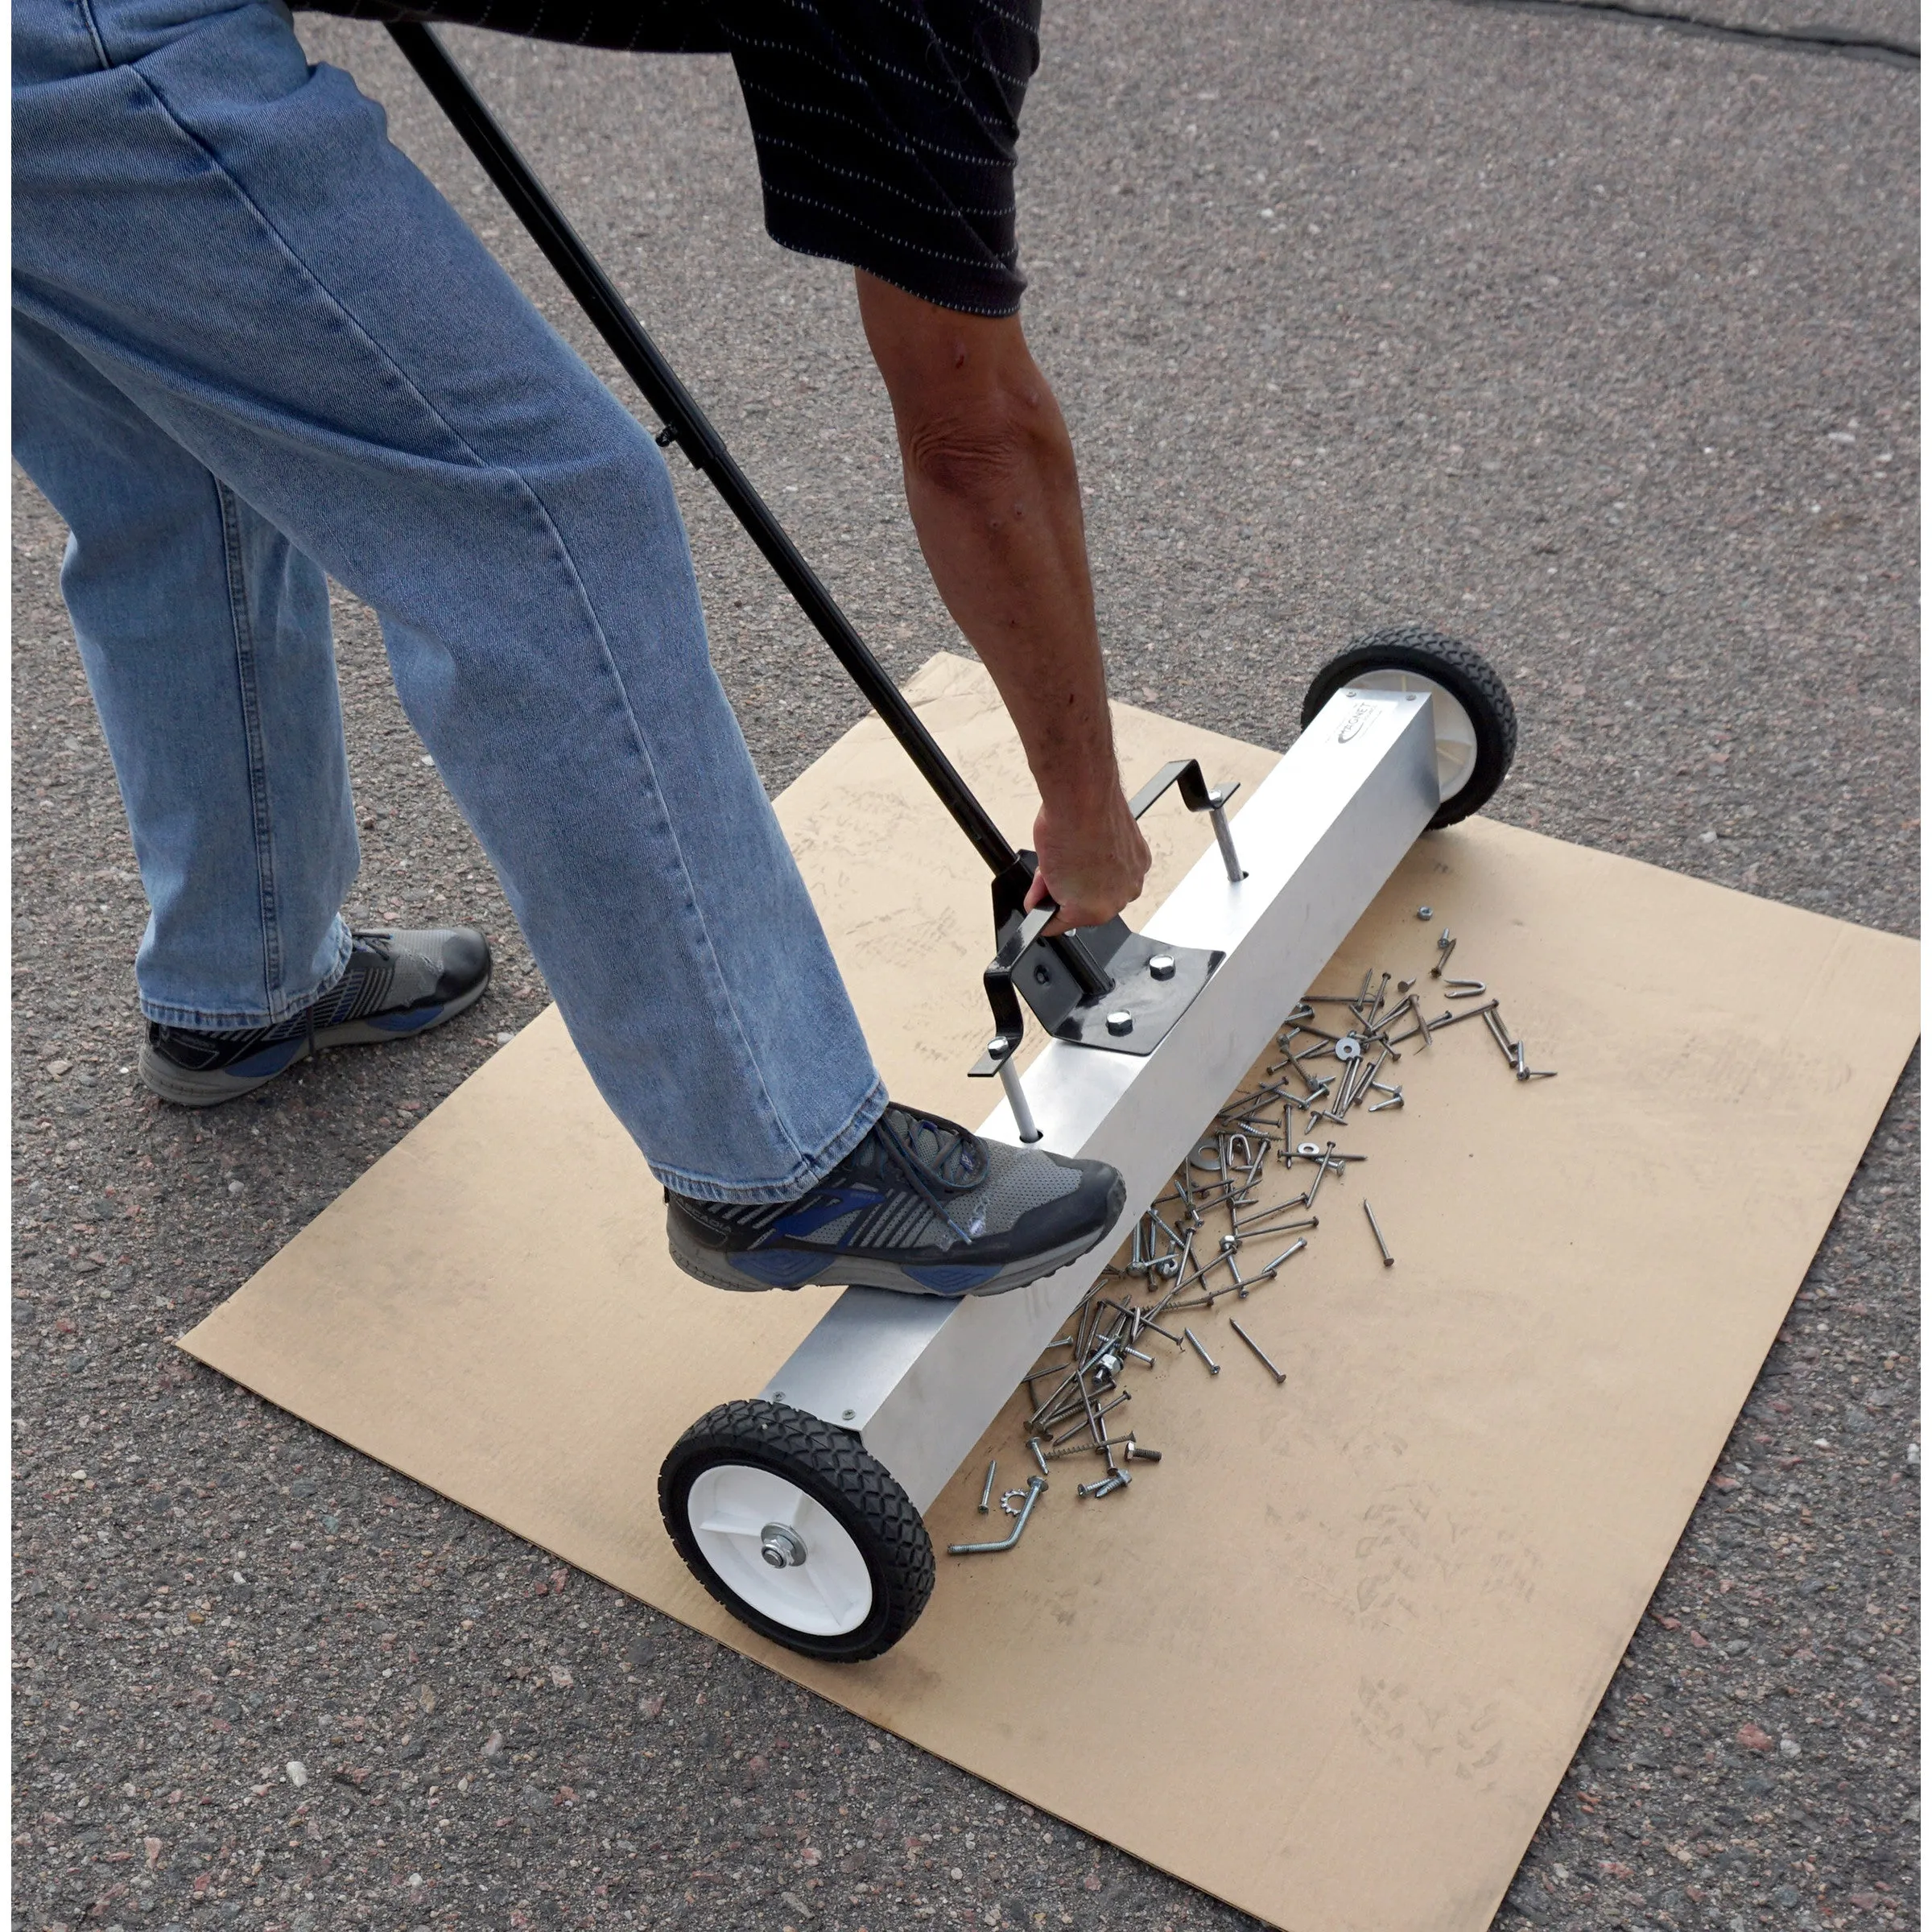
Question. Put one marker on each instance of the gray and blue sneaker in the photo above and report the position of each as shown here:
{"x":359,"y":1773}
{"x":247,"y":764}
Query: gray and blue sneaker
{"x":395,"y":983}
{"x":920,"y":1205}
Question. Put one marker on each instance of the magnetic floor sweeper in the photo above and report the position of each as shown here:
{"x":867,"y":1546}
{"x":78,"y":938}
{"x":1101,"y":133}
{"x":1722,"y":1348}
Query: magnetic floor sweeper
{"x":799,"y":1510}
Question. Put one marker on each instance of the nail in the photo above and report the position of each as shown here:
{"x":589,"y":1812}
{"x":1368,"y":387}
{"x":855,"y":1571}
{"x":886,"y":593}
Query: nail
{"x":1260,"y":1353}
{"x":1214,"y":1368}
{"x":1375,"y":1228}
{"x":986,"y":1493}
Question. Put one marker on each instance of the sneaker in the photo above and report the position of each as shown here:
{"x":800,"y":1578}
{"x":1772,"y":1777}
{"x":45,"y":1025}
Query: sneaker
{"x":395,"y":983}
{"x":920,"y":1205}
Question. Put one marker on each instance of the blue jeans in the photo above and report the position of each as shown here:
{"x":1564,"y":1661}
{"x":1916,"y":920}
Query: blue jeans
{"x":252,"y":344}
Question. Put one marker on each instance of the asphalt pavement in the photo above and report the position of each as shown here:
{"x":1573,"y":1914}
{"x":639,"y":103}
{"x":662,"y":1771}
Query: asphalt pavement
{"x":1591,"y":339}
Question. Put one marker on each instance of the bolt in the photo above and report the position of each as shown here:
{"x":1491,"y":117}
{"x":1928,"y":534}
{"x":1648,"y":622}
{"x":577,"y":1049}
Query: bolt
{"x":1120,"y":1023}
{"x":1137,"y":1454}
{"x":1035,"y":1485}
{"x":1160,"y":966}
{"x":781,"y":1546}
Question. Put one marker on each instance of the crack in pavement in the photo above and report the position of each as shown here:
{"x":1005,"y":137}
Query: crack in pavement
{"x":1846,"y":42}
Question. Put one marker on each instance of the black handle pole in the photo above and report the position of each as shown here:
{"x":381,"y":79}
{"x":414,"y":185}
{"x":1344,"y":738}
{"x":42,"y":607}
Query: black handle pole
{"x":645,"y":365}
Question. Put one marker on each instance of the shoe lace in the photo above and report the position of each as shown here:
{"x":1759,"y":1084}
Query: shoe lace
{"x":937,"y":1158}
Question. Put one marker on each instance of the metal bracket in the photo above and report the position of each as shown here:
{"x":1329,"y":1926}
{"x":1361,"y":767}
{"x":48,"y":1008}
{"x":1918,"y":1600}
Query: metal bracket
{"x":1195,"y":795}
{"x":1103,"y":986}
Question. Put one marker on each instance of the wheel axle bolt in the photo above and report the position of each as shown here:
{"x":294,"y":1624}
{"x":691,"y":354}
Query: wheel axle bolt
{"x":781,"y":1546}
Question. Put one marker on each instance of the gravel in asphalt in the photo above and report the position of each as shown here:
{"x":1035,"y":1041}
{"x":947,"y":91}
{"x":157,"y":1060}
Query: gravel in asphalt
{"x":1594,"y":343}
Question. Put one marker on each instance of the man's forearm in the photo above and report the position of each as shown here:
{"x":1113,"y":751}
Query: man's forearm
{"x":994,"y":494}
{"x":998,"y":517}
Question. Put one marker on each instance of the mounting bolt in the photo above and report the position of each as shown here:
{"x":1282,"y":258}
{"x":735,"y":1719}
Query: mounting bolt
{"x":1161,"y":967}
{"x":781,"y":1546}
{"x":1120,"y":1023}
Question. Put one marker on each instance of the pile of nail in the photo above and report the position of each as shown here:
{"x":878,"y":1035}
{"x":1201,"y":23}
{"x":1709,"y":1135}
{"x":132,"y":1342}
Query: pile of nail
{"x":1182,"y":1259}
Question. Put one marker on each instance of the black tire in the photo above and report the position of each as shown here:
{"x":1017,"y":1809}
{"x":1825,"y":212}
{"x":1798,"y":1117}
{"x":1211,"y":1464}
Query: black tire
{"x":1461,"y":672}
{"x":835,"y":1470}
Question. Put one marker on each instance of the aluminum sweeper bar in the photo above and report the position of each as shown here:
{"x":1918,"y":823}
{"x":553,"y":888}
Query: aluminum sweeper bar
{"x":919,"y":1380}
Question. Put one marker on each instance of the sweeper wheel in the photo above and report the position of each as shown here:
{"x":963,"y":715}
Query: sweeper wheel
{"x":1475,"y":721}
{"x":796,"y":1531}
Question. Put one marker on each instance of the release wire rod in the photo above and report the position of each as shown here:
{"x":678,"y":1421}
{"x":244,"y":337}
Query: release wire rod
{"x":686,"y":425}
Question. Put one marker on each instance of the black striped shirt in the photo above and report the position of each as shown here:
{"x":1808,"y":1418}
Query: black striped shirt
{"x":885,"y":130}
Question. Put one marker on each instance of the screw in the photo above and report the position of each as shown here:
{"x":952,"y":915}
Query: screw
{"x":1160,"y":966}
{"x":846,"y":1415}
{"x":1119,"y":1023}
{"x":1039,"y":1454}
{"x":1375,"y":1228}
{"x":1119,"y":1480}
{"x":1214,"y":1368}
{"x":986,"y":1493}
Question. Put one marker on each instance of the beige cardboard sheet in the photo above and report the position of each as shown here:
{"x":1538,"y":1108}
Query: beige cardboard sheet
{"x":1361,"y":1619}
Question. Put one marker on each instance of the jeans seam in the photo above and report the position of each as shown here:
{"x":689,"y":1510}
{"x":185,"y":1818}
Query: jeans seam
{"x":249,"y":696}
{"x":93,"y":32}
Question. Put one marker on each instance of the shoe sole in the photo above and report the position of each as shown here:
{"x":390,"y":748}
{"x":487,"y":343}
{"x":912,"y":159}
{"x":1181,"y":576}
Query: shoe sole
{"x":714,"y":1269}
{"x":184,"y":1087}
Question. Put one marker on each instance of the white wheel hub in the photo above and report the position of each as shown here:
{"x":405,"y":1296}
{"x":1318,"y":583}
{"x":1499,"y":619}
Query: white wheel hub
{"x":1455,"y":732}
{"x":783,"y":1552}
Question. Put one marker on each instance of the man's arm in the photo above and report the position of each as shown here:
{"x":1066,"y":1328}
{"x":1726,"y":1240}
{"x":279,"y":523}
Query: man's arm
{"x":995,"y":497}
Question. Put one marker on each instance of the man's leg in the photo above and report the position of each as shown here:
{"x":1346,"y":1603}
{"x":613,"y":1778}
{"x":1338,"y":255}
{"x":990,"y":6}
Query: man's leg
{"x":205,"y":634}
{"x":227,"y":238}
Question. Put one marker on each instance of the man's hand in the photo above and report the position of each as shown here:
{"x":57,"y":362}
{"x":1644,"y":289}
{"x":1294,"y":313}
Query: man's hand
{"x":995,"y":497}
{"x":1092,"y":863}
